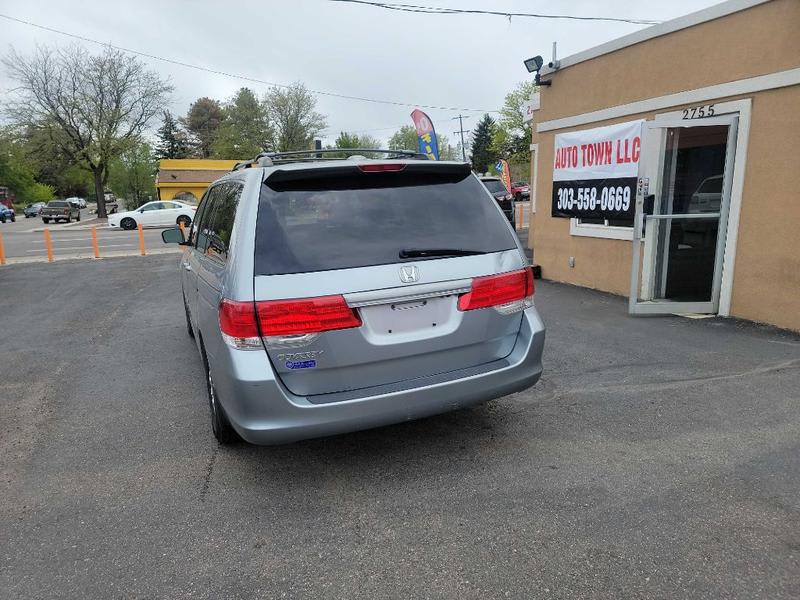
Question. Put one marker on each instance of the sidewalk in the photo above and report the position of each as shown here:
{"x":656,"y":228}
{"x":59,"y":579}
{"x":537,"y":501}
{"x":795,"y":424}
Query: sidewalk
{"x":75,"y":225}
{"x":88,"y":254}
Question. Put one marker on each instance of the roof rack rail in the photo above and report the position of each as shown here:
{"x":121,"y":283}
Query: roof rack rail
{"x":268,"y":159}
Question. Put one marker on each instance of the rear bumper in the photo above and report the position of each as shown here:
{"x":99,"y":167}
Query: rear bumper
{"x":264,"y":412}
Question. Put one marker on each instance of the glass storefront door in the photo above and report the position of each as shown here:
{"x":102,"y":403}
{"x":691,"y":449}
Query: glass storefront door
{"x":684,"y":235}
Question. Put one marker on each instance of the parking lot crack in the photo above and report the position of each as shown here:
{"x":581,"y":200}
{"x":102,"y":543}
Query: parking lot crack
{"x":209,"y":472}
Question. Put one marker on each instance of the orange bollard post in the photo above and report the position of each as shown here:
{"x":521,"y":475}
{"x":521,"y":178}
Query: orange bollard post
{"x":141,"y":239}
{"x":2,"y":251}
{"x":520,"y":221}
{"x":95,"y":245}
{"x":48,"y":244}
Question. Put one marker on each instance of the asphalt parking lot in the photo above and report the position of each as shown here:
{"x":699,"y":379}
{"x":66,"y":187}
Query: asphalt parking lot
{"x":657,"y":458}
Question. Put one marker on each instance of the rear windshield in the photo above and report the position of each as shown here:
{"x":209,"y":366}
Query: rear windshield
{"x":58,"y":204}
{"x":359,"y":220}
{"x":495,"y":186}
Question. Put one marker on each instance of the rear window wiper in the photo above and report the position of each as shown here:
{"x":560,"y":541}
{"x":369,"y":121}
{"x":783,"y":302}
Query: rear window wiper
{"x":432,"y":252}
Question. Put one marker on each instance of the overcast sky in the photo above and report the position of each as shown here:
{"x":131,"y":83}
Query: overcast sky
{"x":463,"y":61}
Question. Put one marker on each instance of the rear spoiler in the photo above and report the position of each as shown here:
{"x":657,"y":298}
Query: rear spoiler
{"x":444,"y":169}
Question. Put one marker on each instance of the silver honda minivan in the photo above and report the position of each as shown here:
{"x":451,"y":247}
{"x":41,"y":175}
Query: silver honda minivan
{"x":332,"y":295}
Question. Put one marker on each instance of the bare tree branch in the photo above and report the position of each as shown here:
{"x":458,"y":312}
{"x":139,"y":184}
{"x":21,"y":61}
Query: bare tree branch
{"x":93,"y":106}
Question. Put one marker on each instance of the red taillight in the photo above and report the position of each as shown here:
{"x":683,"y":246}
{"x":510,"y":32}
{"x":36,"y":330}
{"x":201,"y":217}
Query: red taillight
{"x":237,"y":321}
{"x":496,"y":290}
{"x":381,"y":167}
{"x":305,"y":315}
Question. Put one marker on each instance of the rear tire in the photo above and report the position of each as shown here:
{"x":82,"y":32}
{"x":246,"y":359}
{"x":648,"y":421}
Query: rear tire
{"x":14,"y":219}
{"x":518,"y":197}
{"x":220,"y":425}
{"x":127,"y":223}
{"x":185,"y":220}
{"x":68,"y":219}
{"x":78,"y":218}
{"x":45,"y":221}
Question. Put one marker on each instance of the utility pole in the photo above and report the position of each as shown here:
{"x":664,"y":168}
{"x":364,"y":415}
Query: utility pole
{"x":461,"y":131}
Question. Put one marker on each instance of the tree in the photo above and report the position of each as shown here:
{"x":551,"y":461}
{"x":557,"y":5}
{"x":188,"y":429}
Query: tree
{"x":16,"y":171}
{"x":446,"y":150}
{"x":172,"y":140}
{"x":512,"y":136}
{"x":347,"y":140}
{"x":352,"y":140}
{"x":482,"y":155}
{"x":93,"y":107}
{"x":245,"y":131}
{"x":293,"y":115}
{"x":132,"y":175}
{"x":202,"y":122}
{"x":404,"y":138}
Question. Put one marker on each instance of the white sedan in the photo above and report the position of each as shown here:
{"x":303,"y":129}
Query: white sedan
{"x":159,"y":213}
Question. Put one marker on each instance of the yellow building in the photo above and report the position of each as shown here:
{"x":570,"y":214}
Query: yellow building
{"x":188,"y":178}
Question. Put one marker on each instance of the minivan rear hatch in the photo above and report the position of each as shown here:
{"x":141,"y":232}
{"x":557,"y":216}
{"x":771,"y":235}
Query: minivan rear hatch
{"x":373,"y":259}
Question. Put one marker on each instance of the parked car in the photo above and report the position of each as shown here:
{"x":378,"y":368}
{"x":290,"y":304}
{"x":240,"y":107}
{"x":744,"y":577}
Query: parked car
{"x":81,"y":202}
{"x":708,"y":195}
{"x":154,"y":214}
{"x":7,"y":213}
{"x":520,"y":190}
{"x":111,"y":202}
{"x":501,"y":194}
{"x":60,"y":210}
{"x":338,"y":295}
{"x":33,"y":210}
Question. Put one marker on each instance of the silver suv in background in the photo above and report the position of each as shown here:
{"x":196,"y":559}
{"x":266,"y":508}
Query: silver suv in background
{"x":328,"y":296}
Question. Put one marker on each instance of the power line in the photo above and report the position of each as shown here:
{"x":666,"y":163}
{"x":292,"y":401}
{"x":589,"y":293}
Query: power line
{"x":235,"y":75}
{"x":434,"y":10}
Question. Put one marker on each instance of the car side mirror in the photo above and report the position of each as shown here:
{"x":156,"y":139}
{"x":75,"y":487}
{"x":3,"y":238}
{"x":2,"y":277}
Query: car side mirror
{"x":173,"y":235}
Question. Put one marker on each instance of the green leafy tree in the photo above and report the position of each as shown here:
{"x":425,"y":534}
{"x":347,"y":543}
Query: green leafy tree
{"x":92,"y":107}
{"x":132,"y":175}
{"x":352,"y":140}
{"x":202,"y":122}
{"x":482,"y":155}
{"x":404,"y":138}
{"x":245,"y":131}
{"x":446,"y":150}
{"x":172,"y":139}
{"x":347,"y":140}
{"x":512,"y":136}
{"x":292,"y":112}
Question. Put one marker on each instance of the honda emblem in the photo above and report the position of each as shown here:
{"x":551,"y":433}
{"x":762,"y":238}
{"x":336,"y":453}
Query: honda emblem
{"x":409,"y":274}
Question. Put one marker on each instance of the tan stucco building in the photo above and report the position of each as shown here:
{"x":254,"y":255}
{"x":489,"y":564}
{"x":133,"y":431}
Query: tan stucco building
{"x":718,"y":96}
{"x":188,"y":178}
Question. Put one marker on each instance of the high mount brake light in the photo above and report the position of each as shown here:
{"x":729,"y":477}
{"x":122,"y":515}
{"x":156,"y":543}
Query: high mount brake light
{"x":507,"y":293}
{"x":305,"y":316}
{"x":381,"y":167}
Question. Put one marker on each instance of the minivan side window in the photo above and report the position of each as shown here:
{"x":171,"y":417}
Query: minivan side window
{"x":220,"y":225}
{"x":211,"y":202}
{"x":198,"y":215}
